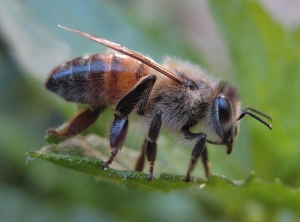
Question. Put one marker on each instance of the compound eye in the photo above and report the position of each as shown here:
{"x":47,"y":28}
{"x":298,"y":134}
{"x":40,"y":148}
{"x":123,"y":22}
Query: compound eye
{"x":224,"y":108}
{"x":191,"y":85}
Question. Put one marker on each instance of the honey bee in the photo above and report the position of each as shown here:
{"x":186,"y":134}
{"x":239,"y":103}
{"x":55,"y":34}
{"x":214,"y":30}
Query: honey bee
{"x":176,"y":94}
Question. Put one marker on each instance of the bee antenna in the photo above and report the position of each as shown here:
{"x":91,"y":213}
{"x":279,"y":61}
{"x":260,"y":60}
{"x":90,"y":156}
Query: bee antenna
{"x":245,"y":111}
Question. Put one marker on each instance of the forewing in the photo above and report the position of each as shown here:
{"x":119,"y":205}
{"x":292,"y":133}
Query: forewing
{"x":149,"y":62}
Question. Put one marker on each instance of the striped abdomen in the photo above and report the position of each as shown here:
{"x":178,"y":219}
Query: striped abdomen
{"x":96,"y":79}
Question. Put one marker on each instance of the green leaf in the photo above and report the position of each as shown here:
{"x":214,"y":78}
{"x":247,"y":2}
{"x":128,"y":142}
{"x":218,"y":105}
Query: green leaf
{"x":83,"y":155}
{"x":131,"y":179}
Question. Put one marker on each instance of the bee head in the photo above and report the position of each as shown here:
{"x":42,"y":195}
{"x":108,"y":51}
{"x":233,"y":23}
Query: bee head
{"x":224,"y":114}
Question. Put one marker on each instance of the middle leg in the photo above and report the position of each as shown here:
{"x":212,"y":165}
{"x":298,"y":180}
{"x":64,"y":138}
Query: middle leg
{"x":149,"y":148}
{"x":140,"y":163}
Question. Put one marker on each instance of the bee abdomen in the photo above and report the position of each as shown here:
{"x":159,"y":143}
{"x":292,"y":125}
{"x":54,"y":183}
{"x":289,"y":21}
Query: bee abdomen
{"x":71,"y":80}
{"x":96,"y":79}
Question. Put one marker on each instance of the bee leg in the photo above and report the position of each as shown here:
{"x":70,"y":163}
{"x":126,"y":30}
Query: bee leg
{"x":118,"y":134}
{"x":197,"y":151}
{"x":151,"y":148}
{"x":133,"y":99}
{"x":204,"y":157}
{"x":137,"y":97}
{"x":81,"y":122}
{"x":139,"y":166}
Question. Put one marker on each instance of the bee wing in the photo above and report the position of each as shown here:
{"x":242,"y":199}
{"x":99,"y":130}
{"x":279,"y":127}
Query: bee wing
{"x":128,"y":52}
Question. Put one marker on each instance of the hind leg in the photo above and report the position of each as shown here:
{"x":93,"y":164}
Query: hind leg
{"x":81,"y":122}
{"x":134,"y":99}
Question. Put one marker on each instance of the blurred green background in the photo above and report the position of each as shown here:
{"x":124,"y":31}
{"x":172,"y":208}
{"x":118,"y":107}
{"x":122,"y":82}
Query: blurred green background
{"x":243,"y":42}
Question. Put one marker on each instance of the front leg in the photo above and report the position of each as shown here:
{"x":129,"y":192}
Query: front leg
{"x":205,"y":162}
{"x":132,"y":100}
{"x":199,"y":149}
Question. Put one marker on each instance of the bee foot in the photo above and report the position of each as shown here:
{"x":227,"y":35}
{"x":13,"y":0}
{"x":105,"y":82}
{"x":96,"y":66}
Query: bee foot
{"x":150,"y":177}
{"x":104,"y":165}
